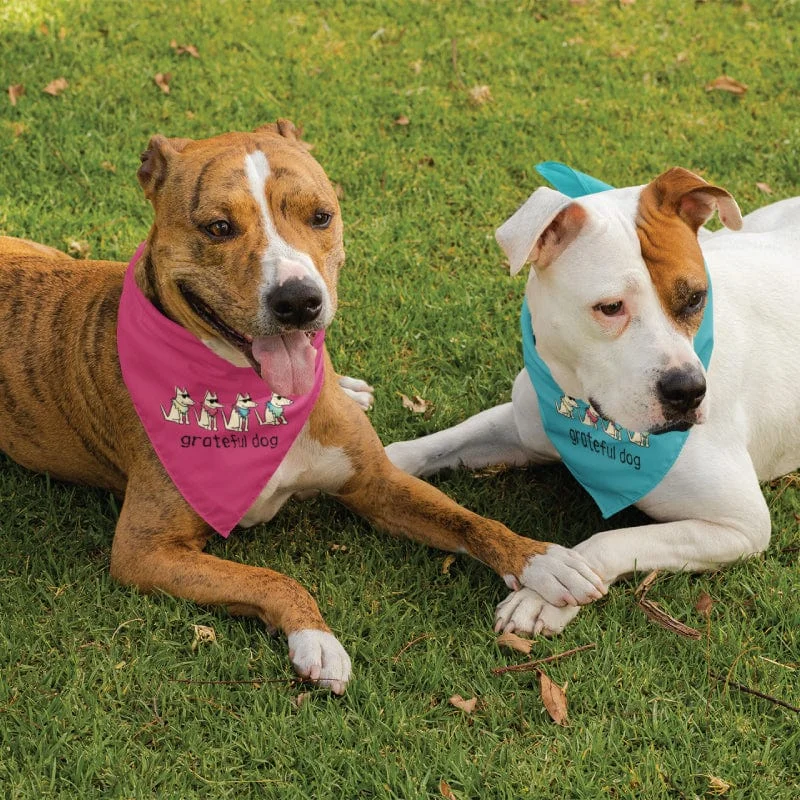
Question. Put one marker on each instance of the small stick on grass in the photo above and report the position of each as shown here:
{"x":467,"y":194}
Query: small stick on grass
{"x":411,"y":644}
{"x":656,"y":614}
{"x":532,"y":665}
{"x":747,"y":690}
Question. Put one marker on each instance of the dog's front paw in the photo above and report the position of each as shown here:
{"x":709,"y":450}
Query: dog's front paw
{"x":358,"y":390}
{"x":317,"y":656}
{"x":563,"y":577}
{"x":526,"y":611}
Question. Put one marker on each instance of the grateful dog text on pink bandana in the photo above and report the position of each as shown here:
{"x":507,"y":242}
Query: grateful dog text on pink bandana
{"x":218,"y":429}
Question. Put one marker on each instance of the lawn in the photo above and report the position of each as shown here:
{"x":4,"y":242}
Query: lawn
{"x":430,"y":117}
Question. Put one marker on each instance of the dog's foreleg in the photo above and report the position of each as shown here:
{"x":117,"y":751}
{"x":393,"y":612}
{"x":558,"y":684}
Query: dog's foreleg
{"x":717,"y":516}
{"x":158,"y":546}
{"x":402,"y":504}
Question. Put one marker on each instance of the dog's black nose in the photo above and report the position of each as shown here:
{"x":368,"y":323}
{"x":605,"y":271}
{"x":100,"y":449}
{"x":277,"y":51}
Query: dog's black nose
{"x":297,"y":302}
{"x":681,"y":390}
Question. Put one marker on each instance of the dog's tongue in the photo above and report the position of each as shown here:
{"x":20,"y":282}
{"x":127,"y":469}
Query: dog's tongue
{"x":287,"y":362}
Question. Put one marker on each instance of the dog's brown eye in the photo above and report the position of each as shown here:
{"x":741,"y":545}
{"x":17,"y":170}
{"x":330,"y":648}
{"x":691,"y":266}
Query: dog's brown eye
{"x":609,"y":309}
{"x":321,"y":219}
{"x":695,"y":302}
{"x":219,"y":229}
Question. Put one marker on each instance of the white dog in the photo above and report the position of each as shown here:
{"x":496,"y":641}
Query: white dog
{"x":616,"y":295}
{"x":239,"y":420}
{"x":179,"y":407}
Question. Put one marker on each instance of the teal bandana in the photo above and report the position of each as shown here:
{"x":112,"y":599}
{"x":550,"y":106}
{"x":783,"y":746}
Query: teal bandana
{"x":615,"y":465}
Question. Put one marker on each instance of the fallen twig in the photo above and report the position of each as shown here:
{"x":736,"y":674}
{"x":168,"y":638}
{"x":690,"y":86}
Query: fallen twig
{"x":532,"y":665}
{"x":411,"y":644}
{"x":747,"y":690}
{"x":655,"y":613}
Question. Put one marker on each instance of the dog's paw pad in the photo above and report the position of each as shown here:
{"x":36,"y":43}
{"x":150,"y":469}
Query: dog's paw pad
{"x":358,"y":390}
{"x":563,"y":577}
{"x":526,"y":611}
{"x":317,"y":656}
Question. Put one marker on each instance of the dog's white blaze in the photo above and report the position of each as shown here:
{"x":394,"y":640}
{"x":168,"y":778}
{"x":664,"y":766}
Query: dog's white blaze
{"x":280,"y":261}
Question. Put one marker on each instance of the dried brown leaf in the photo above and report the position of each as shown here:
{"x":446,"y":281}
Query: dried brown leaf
{"x":79,"y":248}
{"x":467,"y":706}
{"x":480,"y":95}
{"x":626,"y":2}
{"x":764,"y":187}
{"x":62,"y":33}
{"x":162,"y":80}
{"x":622,"y":50}
{"x":108,"y":166}
{"x":717,"y":785}
{"x":180,"y":49}
{"x":18,"y":128}
{"x":203,"y":634}
{"x":446,"y":791}
{"x":301,"y":698}
{"x":416,"y":66}
{"x":15,"y":91}
{"x":55,"y":87}
{"x":416,"y":404}
{"x":514,"y":642}
{"x":704,"y":605}
{"x":447,"y":563}
{"x":402,"y":120}
{"x":724,"y":83}
{"x":554,"y":698}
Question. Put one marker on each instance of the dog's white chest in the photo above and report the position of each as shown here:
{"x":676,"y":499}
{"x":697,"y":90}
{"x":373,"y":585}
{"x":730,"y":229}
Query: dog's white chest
{"x":308,"y":465}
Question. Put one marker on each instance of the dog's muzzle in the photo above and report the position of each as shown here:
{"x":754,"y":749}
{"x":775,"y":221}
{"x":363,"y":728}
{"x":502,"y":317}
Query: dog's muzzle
{"x":295,"y":303}
{"x":681,"y":391}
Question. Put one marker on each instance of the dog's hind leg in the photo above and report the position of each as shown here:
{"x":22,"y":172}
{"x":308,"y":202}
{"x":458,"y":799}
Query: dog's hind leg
{"x":487,"y":438}
{"x":158,"y":546}
{"x":509,"y":434}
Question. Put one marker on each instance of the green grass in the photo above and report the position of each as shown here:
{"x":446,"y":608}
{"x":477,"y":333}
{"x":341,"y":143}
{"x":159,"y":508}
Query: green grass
{"x":101,"y":693}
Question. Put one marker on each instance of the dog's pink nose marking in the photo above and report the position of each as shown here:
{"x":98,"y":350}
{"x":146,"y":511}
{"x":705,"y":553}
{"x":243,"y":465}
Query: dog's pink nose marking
{"x":288,"y":269}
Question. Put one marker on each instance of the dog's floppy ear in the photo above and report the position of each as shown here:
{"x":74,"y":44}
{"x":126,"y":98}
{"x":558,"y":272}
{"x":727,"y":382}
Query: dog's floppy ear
{"x":287,"y":129}
{"x":540,"y":229}
{"x":155,"y":162}
{"x":694,"y":200}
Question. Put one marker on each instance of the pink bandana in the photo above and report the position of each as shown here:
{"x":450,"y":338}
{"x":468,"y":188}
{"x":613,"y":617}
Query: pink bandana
{"x":218,"y":429}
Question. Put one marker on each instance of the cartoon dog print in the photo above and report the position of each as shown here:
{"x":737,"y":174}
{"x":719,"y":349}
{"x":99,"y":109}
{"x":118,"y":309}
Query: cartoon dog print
{"x":240,"y":413}
{"x":179,"y":407}
{"x":642,"y":439}
{"x":208,"y":413}
{"x":613,"y":430}
{"x":273,"y":414}
{"x":566,"y":405}
{"x":591,"y":417}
